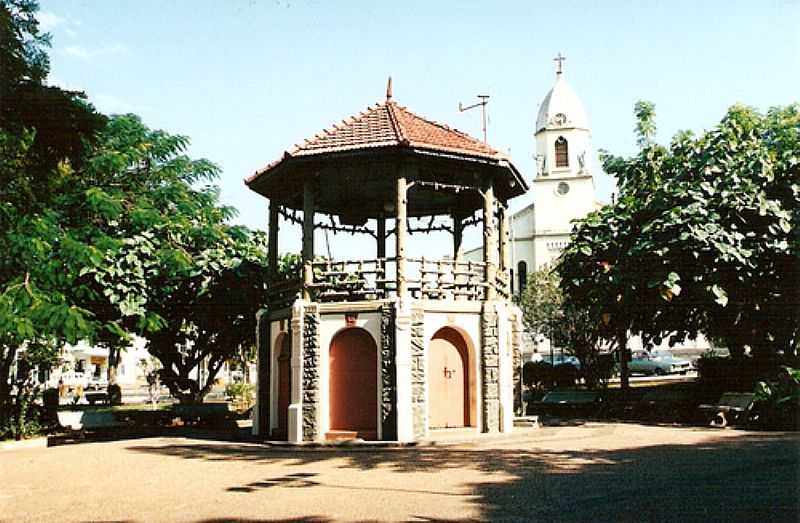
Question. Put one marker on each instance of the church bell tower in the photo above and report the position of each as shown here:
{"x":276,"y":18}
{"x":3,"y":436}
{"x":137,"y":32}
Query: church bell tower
{"x":563,"y":186}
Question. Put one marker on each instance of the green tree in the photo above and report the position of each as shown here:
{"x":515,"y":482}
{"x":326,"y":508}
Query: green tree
{"x":542,"y":303}
{"x":43,"y":131}
{"x":545,"y":312}
{"x":702,"y":238}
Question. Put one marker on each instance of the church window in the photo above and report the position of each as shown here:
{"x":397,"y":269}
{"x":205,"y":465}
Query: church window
{"x":562,"y":152}
{"x":562,"y":188}
{"x":522,"y":274}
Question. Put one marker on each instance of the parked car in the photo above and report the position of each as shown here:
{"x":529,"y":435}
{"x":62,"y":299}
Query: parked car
{"x":658,"y":363}
{"x":562,"y":359}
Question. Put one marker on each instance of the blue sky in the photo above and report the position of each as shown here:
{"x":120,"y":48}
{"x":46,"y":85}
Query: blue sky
{"x":247,"y":79}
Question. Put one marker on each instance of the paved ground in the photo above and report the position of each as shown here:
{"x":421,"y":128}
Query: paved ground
{"x":592,"y":472}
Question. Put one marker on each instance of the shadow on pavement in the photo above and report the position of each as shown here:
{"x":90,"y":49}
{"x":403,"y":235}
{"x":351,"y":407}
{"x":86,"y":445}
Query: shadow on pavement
{"x":751,"y":477}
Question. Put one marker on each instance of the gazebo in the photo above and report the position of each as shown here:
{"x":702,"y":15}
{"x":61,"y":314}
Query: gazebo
{"x":389,"y":347}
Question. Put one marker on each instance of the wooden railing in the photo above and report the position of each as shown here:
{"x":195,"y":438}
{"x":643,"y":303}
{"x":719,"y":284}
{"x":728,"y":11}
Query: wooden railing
{"x":375,"y":279}
{"x":351,"y":280}
{"x":446,"y":279}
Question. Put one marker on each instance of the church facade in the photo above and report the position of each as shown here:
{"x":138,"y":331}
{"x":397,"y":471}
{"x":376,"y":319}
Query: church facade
{"x":563,"y":191}
{"x":563,"y":186}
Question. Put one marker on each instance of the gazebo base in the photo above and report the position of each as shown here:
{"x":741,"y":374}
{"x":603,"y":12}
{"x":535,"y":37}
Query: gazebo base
{"x":405,"y":367}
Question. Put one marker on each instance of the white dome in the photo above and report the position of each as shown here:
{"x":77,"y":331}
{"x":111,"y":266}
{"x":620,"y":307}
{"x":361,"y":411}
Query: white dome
{"x":561,"y":100}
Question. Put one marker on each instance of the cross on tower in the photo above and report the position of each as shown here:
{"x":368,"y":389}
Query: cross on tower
{"x":559,"y":59}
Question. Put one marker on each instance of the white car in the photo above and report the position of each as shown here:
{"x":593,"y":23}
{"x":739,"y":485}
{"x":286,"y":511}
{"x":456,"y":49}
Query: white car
{"x":658,"y":363}
{"x":73,"y":379}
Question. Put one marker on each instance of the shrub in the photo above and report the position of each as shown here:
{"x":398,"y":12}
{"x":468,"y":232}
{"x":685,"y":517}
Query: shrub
{"x":241,"y":394}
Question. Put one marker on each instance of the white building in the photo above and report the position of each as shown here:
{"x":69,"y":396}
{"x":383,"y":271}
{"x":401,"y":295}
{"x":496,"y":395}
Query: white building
{"x":563,"y":191}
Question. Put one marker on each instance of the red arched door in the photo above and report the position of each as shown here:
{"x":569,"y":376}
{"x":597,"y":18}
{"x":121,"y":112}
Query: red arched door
{"x":284,"y":385}
{"x":354,"y":383}
{"x":448,"y":380}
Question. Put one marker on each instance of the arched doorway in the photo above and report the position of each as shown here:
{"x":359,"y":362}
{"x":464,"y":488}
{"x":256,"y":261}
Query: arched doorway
{"x":448,"y":380}
{"x":284,"y":385}
{"x":354,"y":385}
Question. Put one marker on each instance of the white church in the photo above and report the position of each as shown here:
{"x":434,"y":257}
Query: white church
{"x":563,"y":190}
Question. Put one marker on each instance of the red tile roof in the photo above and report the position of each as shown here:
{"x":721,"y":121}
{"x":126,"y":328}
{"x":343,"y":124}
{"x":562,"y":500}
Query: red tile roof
{"x":388,"y":124}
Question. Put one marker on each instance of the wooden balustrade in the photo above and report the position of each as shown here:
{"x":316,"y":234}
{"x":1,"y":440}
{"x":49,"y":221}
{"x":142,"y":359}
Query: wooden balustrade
{"x":375,"y":279}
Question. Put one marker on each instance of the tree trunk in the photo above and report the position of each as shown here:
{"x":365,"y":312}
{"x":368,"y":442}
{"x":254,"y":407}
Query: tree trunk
{"x":736,"y":351}
{"x":5,"y":374}
{"x":113,"y":364}
{"x":622,"y":342}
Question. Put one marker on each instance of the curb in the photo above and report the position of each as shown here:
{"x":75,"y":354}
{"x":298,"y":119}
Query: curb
{"x":33,"y":443}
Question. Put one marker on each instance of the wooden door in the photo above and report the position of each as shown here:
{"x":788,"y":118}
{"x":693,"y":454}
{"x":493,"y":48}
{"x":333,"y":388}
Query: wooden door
{"x":284,"y":386}
{"x":448,"y":380}
{"x":354,"y":383}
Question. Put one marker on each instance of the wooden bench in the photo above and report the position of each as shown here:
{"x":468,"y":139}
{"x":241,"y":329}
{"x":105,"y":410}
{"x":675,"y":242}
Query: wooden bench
{"x":732,"y":407}
{"x":95,"y":396}
{"x":209,"y":414}
{"x":664,"y":404}
{"x":568,"y":401}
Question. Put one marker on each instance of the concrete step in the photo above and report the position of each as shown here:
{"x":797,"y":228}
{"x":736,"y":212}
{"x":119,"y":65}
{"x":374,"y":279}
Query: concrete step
{"x":339,"y":435}
{"x":526,"y":421}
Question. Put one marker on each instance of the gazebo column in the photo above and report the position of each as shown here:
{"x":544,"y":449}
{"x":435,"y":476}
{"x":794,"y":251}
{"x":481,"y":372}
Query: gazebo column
{"x":505,"y":247}
{"x":274,"y":217}
{"x":458,"y":236}
{"x":401,"y":233}
{"x":308,"y":238}
{"x":380,"y":233}
{"x":489,"y":241}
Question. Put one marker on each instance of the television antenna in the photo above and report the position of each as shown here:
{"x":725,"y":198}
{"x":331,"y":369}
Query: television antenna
{"x":484,"y":99}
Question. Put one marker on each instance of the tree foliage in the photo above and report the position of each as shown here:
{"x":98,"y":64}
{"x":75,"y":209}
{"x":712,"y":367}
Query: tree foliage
{"x":546,"y":313}
{"x":702,"y":238}
{"x":108,"y":229}
{"x":43,"y":131}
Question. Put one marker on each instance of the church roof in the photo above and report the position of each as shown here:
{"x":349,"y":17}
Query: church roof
{"x":561,"y":99}
{"x":391,"y":125}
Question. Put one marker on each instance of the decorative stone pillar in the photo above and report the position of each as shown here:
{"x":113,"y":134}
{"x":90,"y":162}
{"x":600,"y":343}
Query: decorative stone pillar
{"x":418,"y":406}
{"x":388,"y":374}
{"x":311,"y":373}
{"x":516,"y":358}
{"x":490,"y":368}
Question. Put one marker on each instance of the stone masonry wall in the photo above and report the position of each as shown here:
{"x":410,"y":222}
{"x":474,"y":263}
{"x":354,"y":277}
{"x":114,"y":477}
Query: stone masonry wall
{"x":516,"y":358}
{"x":418,"y":371}
{"x":311,"y":372}
{"x":490,"y":367}
{"x":388,"y":374}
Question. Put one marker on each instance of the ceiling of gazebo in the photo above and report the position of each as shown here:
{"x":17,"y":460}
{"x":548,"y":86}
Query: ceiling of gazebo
{"x":357,"y":162}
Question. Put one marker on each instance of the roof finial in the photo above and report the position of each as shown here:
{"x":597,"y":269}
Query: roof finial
{"x":389,"y":89}
{"x":559,"y":59}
